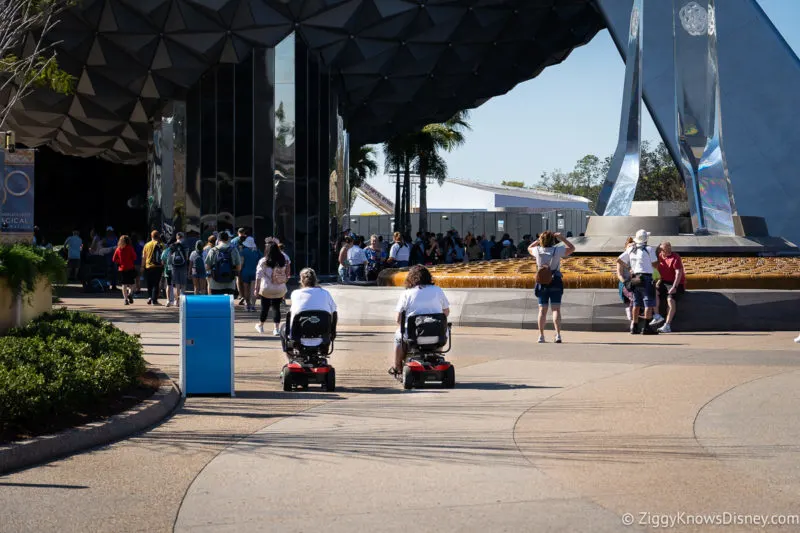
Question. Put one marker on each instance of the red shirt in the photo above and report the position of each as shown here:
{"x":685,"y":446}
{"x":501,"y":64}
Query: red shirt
{"x":125,"y":258}
{"x":667,"y":265}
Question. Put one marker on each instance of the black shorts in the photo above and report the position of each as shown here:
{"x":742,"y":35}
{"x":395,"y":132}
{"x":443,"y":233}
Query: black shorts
{"x":128,"y":277}
{"x":665,"y":286}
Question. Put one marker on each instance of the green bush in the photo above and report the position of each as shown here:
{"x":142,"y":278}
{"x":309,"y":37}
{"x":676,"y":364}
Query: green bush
{"x":22,"y":264}
{"x":63,"y":362}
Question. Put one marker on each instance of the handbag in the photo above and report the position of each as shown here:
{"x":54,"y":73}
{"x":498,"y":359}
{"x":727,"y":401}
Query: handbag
{"x":544,"y":276}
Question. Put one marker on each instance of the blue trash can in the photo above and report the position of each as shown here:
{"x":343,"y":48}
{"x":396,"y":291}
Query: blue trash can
{"x":206,"y":364}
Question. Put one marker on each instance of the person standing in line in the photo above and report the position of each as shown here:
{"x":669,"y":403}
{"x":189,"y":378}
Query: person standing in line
{"x":124,"y":257}
{"x":223,"y":261}
{"x":74,"y":245}
{"x":238,"y":243}
{"x":250,"y":260}
{"x":179,"y":266}
{"x":641,"y":259}
{"x":474,"y":252}
{"x":152,"y":266}
{"x":357,"y":260}
{"x":671,"y":285}
{"x":488,"y":246}
{"x":198,"y":267}
{"x":400,"y":252}
{"x":344,"y":267}
{"x":549,"y":282}
{"x":270,"y":287}
{"x":374,"y":255}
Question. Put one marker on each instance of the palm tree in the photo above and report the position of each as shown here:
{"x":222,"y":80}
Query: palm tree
{"x":428,"y":162}
{"x":398,"y":154}
{"x":363,"y":166}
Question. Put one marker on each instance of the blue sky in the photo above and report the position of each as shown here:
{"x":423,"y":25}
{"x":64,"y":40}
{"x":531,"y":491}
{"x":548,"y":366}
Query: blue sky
{"x":568,"y":111}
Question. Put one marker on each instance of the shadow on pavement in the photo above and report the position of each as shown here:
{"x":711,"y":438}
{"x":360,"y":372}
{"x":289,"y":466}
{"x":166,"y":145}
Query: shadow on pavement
{"x":477,"y":385}
{"x":42,"y":485}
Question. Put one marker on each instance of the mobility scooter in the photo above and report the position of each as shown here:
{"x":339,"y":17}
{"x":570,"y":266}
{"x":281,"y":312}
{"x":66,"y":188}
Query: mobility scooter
{"x":308,"y":342}
{"x":425,"y":336}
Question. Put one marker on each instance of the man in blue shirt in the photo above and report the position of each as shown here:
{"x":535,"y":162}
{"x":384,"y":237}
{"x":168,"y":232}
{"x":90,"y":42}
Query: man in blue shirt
{"x":487,"y":246}
{"x":74,"y":245}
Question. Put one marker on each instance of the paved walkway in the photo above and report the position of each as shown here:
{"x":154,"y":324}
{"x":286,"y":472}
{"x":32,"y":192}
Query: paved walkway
{"x":534,"y":438}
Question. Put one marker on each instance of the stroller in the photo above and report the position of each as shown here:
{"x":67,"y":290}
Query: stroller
{"x":425,"y":337}
{"x":309,"y":342}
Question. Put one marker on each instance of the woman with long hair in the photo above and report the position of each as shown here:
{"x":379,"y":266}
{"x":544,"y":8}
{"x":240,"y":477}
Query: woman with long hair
{"x":400,"y":252}
{"x":421,"y":297}
{"x":271,"y":278}
{"x":549,"y":284}
{"x":125,"y":259}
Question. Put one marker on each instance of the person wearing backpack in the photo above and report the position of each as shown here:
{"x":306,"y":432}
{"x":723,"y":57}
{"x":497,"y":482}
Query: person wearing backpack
{"x":178,"y":263}
{"x":271,"y":278}
{"x":641,"y":259}
{"x":549,"y":283}
{"x":223,"y":262}
{"x":152,"y":266}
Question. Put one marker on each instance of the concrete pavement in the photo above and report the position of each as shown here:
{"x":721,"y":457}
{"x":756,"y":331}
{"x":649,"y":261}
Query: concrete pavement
{"x":534,"y":438}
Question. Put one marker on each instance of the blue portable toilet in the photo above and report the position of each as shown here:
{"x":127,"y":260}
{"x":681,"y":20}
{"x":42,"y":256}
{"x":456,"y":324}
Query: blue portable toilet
{"x":206,"y":364}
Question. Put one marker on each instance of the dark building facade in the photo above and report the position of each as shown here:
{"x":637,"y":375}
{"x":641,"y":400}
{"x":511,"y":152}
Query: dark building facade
{"x":257,"y":144}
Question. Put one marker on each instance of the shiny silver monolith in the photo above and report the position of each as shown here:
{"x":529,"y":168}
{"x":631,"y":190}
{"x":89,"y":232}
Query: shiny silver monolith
{"x":616,"y":195}
{"x":697,"y":97}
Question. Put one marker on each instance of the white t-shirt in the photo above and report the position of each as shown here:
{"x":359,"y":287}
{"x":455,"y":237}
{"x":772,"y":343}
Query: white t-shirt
{"x":427,"y":300}
{"x":639,"y":258}
{"x":400,"y":253}
{"x":312,"y":299}
{"x":550,"y":256}
{"x":356,"y":255}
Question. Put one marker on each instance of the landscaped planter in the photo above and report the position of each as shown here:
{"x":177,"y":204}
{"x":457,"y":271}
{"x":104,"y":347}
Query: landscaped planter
{"x":15,"y":312}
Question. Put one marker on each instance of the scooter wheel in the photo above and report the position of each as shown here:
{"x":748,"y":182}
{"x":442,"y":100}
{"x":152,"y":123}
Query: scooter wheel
{"x":286,"y":377}
{"x":330,"y":381}
{"x":449,"y":380}
{"x":408,"y":378}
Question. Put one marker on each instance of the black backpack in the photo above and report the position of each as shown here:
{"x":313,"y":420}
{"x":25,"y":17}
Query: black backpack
{"x":157,"y":251}
{"x":223,"y":266}
{"x":178,"y":256}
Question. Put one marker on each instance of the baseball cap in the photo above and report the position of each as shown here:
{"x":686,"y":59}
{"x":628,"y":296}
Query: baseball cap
{"x":110,"y":228}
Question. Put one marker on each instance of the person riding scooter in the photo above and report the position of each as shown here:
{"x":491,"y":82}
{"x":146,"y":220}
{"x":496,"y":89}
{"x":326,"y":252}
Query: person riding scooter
{"x":421,"y":297}
{"x":309,"y":297}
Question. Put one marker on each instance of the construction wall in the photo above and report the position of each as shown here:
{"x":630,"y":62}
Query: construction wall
{"x":480,"y":223}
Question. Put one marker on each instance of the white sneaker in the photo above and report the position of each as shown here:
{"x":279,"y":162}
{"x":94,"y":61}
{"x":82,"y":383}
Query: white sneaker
{"x":666,"y":328}
{"x":260,"y":327}
{"x":558,"y":338}
{"x":797,"y":340}
{"x":276,"y":332}
{"x":541,"y":339}
{"x":657,"y":319}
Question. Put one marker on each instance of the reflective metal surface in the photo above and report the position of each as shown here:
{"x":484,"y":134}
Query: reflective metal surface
{"x":699,"y":130}
{"x":619,"y":188}
{"x":284,"y":173}
{"x":760,"y":79}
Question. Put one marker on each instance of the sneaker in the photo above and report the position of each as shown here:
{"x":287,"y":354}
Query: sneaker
{"x":797,"y":340}
{"x":260,"y":327}
{"x":558,"y":338}
{"x":276,"y":332}
{"x":541,"y":339}
{"x":657,"y":319}
{"x":130,"y":298}
{"x":126,"y":302}
{"x":634,"y":329}
{"x":149,"y":301}
{"x":666,"y":328}
{"x":628,"y":312}
{"x":241,"y":301}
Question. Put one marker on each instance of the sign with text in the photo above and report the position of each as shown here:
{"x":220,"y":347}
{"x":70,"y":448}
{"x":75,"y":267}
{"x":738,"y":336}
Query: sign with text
{"x":16,"y":208}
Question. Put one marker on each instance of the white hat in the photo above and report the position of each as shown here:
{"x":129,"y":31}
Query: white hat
{"x":110,"y":228}
{"x":250,"y":243}
{"x":641,"y":237}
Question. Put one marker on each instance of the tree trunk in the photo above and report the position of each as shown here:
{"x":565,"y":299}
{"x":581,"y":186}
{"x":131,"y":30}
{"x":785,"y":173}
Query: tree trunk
{"x":397,"y":202}
{"x":407,"y":197}
{"x":423,"y":199}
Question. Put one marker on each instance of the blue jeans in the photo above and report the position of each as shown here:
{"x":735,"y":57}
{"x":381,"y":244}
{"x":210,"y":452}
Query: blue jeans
{"x":552,"y":293}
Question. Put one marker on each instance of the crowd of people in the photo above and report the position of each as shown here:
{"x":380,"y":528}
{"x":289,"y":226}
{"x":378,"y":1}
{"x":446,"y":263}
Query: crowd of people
{"x":362,"y":260}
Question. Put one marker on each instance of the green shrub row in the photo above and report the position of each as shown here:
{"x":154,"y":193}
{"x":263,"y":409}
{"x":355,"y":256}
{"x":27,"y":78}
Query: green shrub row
{"x":61,"y":363}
